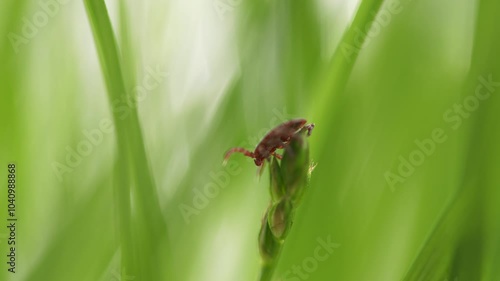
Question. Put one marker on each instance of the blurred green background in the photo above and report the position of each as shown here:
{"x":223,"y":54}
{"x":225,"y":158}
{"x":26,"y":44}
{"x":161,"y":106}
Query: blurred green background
{"x":118,"y":129}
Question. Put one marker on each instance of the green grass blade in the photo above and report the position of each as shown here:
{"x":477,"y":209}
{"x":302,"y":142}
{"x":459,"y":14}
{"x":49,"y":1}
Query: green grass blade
{"x":332,"y":84}
{"x":147,"y":225}
{"x":456,"y":246}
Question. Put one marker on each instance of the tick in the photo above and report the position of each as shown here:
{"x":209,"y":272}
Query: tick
{"x":277,"y":138}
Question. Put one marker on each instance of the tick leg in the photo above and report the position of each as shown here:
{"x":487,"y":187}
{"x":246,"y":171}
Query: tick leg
{"x":309,"y":128}
{"x":285,"y":139}
{"x":260,"y":169}
{"x":239,"y":150}
{"x":277,"y":155}
{"x":281,"y":145}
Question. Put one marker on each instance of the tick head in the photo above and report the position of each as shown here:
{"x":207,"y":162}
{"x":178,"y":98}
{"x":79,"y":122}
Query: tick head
{"x":258,"y":161}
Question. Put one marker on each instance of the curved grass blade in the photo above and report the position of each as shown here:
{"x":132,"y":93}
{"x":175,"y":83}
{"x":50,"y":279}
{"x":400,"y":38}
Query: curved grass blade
{"x":134,"y":177}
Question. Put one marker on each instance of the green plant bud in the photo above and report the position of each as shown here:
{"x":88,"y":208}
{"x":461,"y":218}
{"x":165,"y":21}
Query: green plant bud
{"x":280,"y":218}
{"x":295,"y":166}
{"x":277,"y":185}
{"x":269,"y":246}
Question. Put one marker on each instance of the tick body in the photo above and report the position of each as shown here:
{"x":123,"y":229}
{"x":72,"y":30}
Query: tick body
{"x":277,"y":138}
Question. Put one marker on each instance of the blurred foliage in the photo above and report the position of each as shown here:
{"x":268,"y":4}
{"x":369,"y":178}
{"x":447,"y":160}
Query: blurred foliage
{"x":151,"y":200}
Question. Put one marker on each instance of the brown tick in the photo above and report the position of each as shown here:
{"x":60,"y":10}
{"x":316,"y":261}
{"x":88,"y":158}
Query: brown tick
{"x":277,"y":138}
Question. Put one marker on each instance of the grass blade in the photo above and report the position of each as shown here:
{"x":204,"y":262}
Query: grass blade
{"x":133,"y":174}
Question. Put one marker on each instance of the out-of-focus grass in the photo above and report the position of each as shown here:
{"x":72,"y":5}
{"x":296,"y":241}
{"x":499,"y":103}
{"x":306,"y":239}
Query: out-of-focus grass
{"x":142,"y":227}
{"x":459,"y":244}
{"x":227,"y":77}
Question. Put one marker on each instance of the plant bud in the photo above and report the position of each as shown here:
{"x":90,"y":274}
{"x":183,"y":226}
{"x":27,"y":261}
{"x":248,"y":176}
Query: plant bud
{"x":295,"y":166}
{"x":277,"y":185}
{"x":268,"y":245}
{"x":280,"y":218}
